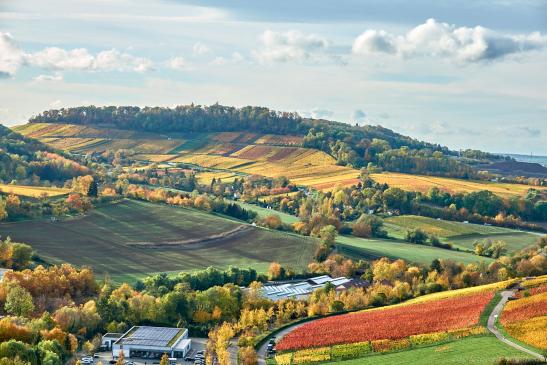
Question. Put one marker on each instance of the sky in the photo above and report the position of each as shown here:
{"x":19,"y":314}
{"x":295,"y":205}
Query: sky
{"x":465,"y":74}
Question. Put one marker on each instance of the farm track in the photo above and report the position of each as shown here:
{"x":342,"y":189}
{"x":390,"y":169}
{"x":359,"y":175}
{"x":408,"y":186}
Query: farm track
{"x":198,"y":243}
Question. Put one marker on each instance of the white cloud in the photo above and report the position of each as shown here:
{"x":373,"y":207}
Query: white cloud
{"x":55,"y":77}
{"x":235,"y":58}
{"x":11,"y":56}
{"x":444,"y":40}
{"x":200,"y":49}
{"x":177,"y":63}
{"x":290,"y":46}
{"x":55,"y":58}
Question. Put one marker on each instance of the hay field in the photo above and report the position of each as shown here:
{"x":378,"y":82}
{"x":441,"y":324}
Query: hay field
{"x":32,"y":191}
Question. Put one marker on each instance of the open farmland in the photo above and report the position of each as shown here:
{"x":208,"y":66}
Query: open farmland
{"x":361,"y":248}
{"x":483,"y":350}
{"x":424,"y":183}
{"x":32,"y":191}
{"x":110,"y":240}
{"x":459,"y":234}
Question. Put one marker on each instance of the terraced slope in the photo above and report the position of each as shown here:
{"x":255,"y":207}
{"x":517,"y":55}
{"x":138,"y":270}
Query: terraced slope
{"x":231,"y":153}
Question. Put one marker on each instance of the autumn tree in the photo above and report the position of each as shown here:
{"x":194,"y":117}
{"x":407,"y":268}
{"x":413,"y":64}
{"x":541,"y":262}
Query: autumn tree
{"x":276,"y":271}
{"x":18,"y":301}
{"x":164,"y":359}
{"x":248,"y":356}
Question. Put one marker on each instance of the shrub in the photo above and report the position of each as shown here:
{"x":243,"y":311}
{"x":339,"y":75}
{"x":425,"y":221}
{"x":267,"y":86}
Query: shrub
{"x":390,"y":345}
{"x":311,"y":355}
{"x":427,"y":338}
{"x":416,"y":235}
{"x":350,"y":351}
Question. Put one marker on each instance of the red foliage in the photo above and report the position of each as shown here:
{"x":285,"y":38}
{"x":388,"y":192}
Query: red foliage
{"x":389,"y":323}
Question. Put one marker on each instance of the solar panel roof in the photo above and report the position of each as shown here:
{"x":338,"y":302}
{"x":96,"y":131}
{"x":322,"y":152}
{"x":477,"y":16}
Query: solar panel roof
{"x":151,"y":336}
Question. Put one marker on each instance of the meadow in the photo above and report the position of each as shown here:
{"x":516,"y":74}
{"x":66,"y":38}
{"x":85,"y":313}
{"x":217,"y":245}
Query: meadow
{"x":32,"y":191}
{"x":459,"y":234}
{"x":483,"y":350}
{"x":362,"y":248}
{"x":107,"y":239}
{"x":264,"y":212}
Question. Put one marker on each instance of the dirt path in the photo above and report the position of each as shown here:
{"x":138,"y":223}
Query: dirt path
{"x":492,"y":325}
{"x":193,"y":243}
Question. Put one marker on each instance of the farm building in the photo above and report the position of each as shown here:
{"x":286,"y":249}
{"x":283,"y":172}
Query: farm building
{"x":152,"y":342}
{"x":109,"y":338}
{"x":302,"y":289}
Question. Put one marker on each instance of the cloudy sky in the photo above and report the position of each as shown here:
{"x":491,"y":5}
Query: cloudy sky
{"x":467,"y":74}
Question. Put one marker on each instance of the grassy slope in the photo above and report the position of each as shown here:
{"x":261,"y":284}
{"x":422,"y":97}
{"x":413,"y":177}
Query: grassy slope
{"x":100,"y":240}
{"x":360,"y":248}
{"x":263,"y":212}
{"x":482,"y":350}
{"x":459,"y":234}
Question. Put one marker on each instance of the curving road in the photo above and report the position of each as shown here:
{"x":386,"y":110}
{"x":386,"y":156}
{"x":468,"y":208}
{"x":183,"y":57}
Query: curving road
{"x":278,"y":336}
{"x":492,"y":325}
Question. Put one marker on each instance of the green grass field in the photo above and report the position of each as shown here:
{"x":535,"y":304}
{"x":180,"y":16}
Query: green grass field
{"x":105,"y":240}
{"x":482,"y":350}
{"x":360,"y":248}
{"x":459,"y":234}
{"x":263,"y":212}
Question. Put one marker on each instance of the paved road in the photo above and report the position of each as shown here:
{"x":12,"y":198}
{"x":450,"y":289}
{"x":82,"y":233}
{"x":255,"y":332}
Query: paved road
{"x":278,"y":336}
{"x":492,"y":325}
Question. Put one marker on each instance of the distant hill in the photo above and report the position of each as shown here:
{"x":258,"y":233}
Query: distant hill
{"x":350,"y":145}
{"x":516,"y":168}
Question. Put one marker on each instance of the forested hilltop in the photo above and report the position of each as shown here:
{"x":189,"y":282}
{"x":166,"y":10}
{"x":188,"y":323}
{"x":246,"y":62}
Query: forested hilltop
{"x":351,"y":145}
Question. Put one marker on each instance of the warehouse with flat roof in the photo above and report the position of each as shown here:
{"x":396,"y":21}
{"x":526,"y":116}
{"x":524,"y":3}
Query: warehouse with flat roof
{"x":152,"y":342}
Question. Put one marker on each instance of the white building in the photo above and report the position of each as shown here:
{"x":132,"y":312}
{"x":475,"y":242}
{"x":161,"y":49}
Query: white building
{"x":303,"y":289}
{"x":152,"y":342}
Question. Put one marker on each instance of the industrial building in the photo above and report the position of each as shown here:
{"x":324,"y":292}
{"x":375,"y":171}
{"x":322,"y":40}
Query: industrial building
{"x":152,"y":342}
{"x":303,"y":289}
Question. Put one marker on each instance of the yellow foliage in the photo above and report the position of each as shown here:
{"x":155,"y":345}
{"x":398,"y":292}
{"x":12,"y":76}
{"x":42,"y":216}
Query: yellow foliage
{"x":311,"y":355}
{"x":531,"y":331}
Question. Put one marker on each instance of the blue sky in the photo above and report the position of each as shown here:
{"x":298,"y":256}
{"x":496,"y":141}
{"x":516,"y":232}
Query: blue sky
{"x":467,"y":74}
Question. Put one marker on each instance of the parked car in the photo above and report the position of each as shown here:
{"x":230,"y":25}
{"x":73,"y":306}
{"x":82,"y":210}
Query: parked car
{"x":96,"y":356}
{"x":112,"y":361}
